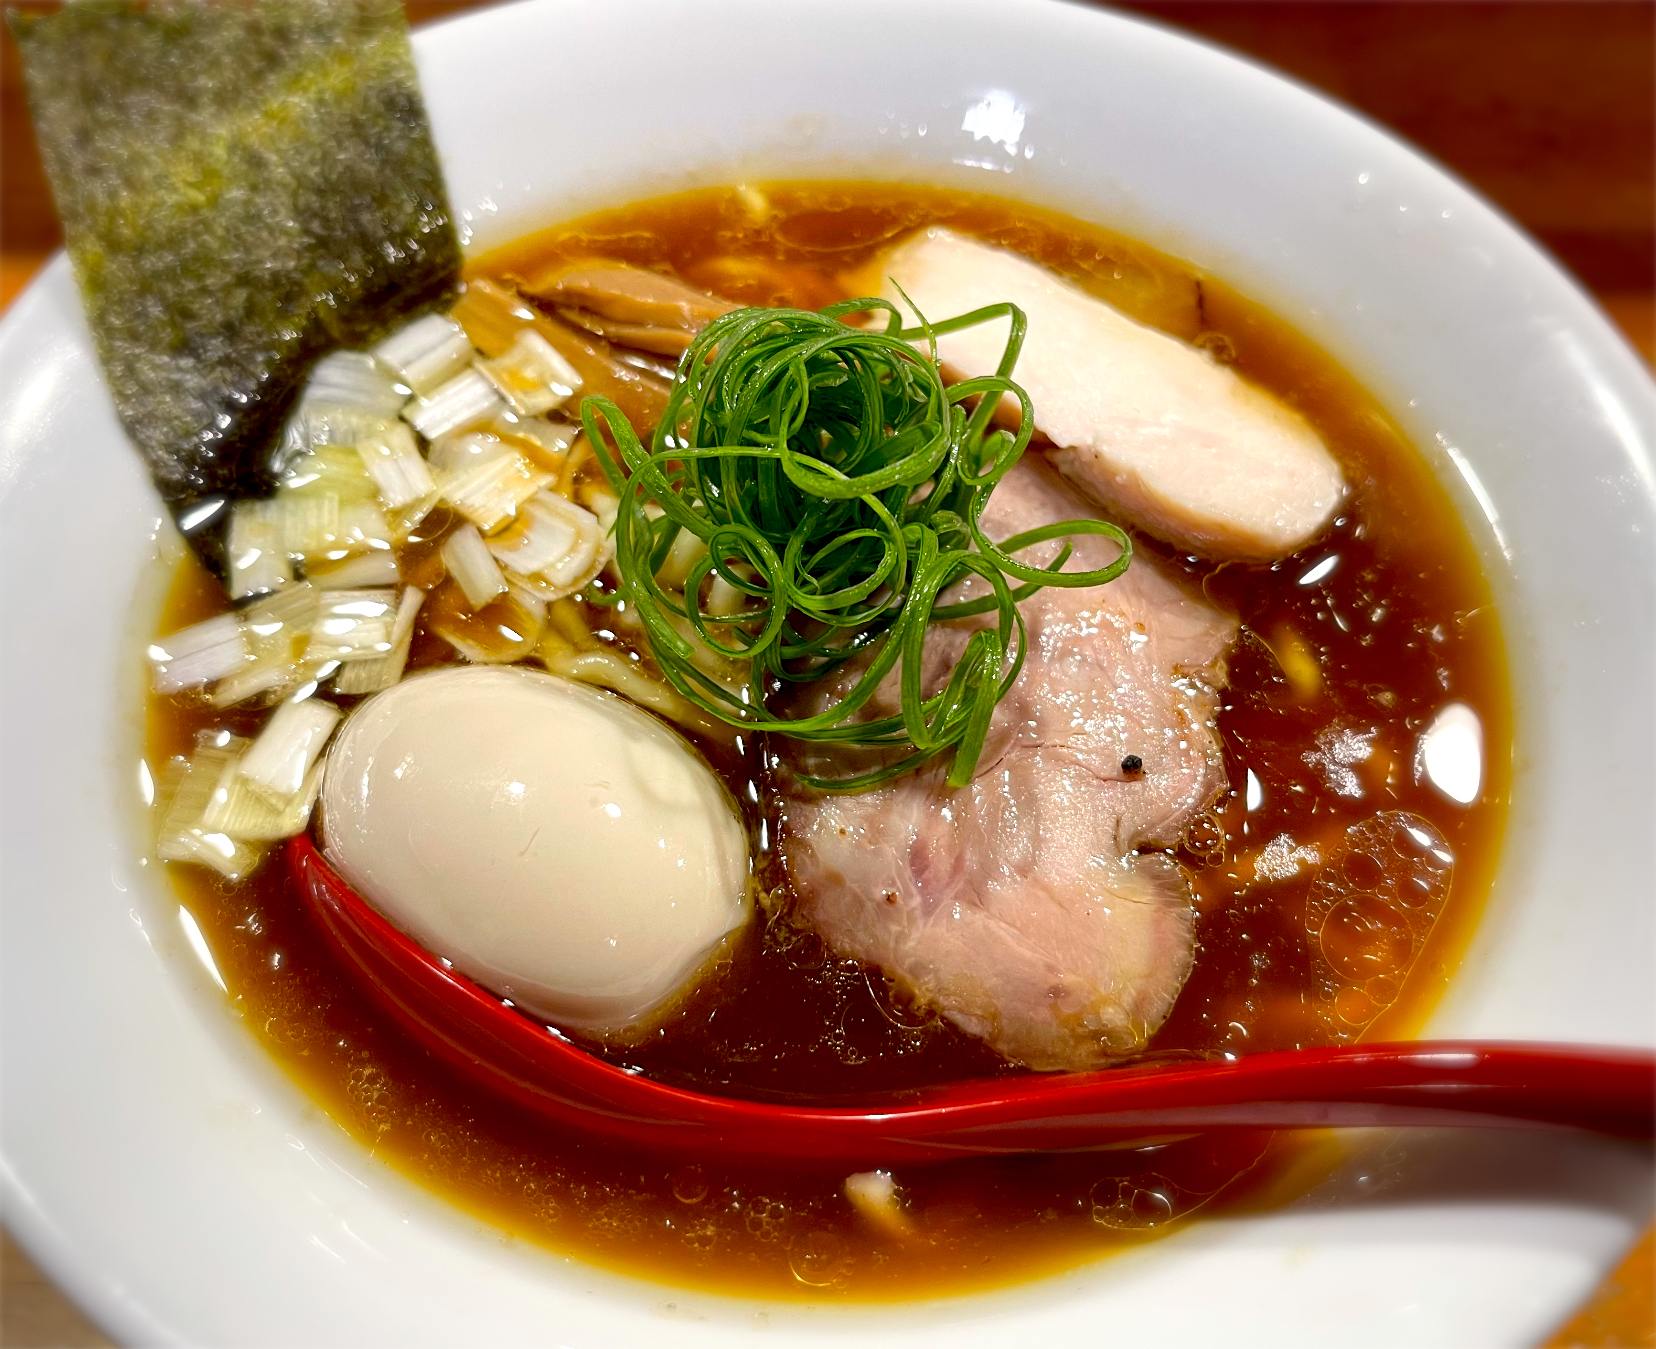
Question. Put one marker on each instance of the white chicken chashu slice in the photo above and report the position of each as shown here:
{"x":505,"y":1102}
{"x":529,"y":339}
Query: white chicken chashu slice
{"x":1150,"y":428}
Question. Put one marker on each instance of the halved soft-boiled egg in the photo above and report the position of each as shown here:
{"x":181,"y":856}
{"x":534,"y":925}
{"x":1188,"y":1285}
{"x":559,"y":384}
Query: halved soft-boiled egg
{"x":558,"y":845}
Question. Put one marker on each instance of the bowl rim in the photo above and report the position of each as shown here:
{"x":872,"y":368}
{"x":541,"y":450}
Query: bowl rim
{"x":1609,"y":372}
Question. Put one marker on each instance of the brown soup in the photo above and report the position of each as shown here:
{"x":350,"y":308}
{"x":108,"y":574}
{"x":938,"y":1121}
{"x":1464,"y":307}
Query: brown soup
{"x":1330,"y":686}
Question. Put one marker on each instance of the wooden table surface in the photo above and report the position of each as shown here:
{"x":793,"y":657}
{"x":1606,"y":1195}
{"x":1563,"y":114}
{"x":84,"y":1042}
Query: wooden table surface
{"x":1548,"y":107}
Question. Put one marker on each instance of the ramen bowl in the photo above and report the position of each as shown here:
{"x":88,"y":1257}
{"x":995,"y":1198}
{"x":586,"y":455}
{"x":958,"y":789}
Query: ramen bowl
{"x":183,"y":1190}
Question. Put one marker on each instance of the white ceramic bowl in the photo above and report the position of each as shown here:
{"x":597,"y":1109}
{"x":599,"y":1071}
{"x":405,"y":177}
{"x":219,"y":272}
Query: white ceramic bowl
{"x":184,"y":1192}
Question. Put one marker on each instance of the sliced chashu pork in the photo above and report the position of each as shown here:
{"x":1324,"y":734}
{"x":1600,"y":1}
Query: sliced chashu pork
{"x":1016,"y":905}
{"x":1151,"y":428}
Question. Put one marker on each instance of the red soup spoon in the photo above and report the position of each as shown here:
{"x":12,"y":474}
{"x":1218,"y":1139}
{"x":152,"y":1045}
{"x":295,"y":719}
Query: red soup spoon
{"x":1420,"y":1083}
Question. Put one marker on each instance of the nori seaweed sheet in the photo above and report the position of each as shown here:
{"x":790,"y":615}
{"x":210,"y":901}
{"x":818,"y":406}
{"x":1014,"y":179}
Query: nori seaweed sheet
{"x":243,"y":187}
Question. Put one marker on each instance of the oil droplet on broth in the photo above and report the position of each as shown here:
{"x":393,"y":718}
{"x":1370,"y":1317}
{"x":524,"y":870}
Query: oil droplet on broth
{"x":1134,"y":1203}
{"x":1370,"y":911}
{"x":1353,"y":1006}
{"x":690,"y":1185}
{"x":1363,"y":937}
{"x":819,"y":1260}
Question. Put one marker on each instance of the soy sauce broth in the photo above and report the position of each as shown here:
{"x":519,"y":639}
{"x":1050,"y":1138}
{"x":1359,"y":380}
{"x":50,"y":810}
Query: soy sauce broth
{"x":1398,"y":625}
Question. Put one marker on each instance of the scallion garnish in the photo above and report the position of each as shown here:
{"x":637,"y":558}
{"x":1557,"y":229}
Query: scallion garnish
{"x":838,"y":485}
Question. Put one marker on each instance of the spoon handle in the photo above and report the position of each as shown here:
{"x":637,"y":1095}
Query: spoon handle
{"x":1437,"y":1083}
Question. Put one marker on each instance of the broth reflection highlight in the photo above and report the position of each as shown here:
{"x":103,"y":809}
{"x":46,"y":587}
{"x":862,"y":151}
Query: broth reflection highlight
{"x":1304,"y":872}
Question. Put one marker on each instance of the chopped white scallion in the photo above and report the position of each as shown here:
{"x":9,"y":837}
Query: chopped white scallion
{"x":464,"y":401}
{"x":426,"y":352}
{"x":279,"y":761}
{"x":329,"y":506}
{"x":370,"y":676}
{"x":320,"y":426}
{"x":278,"y":632}
{"x":255,"y":550}
{"x":472,"y":566}
{"x":309,"y":522}
{"x":394,"y":462}
{"x":487,"y":481}
{"x":553,"y":544}
{"x":554,"y":438}
{"x":332,"y":470}
{"x":279,"y":625}
{"x":202,"y":653}
{"x":377,"y":567}
{"x":241,"y":811}
{"x":404,"y":521}
{"x":408,"y":608}
{"x":531,"y":374}
{"x":185,"y":793}
{"x":256,"y":679}
{"x":362,"y":525}
{"x":322,"y":528}
{"x":531,"y":604}
{"x":352,"y":379}
{"x":352,"y":625}
{"x":462,"y":452}
{"x":541,"y":539}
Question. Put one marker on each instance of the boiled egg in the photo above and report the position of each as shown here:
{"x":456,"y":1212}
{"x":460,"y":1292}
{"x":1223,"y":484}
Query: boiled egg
{"x":555,"y":843}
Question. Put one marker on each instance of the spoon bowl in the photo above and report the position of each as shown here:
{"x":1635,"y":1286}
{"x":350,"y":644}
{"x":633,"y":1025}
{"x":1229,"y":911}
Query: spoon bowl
{"x":1419,"y":1083}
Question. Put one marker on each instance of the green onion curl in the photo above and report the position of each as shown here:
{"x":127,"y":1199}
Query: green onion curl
{"x":838,"y":485}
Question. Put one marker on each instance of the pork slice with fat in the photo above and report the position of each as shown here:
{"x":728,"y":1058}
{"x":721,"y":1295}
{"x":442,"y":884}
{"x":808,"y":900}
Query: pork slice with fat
{"x":1016,"y":905}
